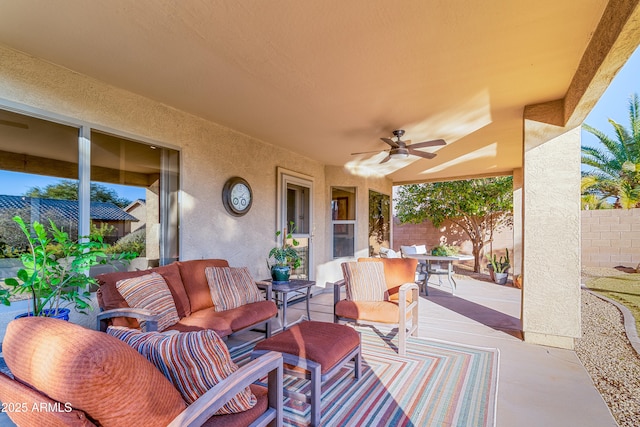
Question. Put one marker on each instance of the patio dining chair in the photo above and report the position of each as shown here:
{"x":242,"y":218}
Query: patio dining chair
{"x":422,"y":274}
{"x":368,"y":297}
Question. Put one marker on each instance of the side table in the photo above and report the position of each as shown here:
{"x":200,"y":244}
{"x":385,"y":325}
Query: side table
{"x":281,"y":291}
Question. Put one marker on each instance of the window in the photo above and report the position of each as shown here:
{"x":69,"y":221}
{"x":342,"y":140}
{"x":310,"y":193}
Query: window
{"x":37,"y":155}
{"x":149,"y":176}
{"x":379,"y":221}
{"x":88,"y":181}
{"x":343,"y":218}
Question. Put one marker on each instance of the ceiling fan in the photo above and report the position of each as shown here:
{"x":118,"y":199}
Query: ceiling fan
{"x":402,"y":149}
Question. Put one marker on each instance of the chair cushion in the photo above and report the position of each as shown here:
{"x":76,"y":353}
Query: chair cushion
{"x":195,"y":281}
{"x":388,"y":253}
{"x":408,"y":250}
{"x":397,"y":272}
{"x":243,"y":418}
{"x":421,"y":249}
{"x":193,"y":361}
{"x":21,"y":404}
{"x":229,"y":321}
{"x":109,"y":297}
{"x":152,"y":293}
{"x":364,"y":281}
{"x":310,"y":340}
{"x":231,"y":287}
{"x":372,"y":311}
{"x":92,"y":371}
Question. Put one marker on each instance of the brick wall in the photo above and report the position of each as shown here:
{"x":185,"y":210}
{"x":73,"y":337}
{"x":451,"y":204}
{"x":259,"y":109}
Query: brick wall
{"x":611,"y":237}
{"x":426,"y":234}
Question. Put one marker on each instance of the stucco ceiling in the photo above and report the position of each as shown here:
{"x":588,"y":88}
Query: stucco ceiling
{"x":328,"y":78}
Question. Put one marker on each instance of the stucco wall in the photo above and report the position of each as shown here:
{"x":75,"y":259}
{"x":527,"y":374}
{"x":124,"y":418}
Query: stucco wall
{"x":611,"y":237}
{"x":210,"y":154}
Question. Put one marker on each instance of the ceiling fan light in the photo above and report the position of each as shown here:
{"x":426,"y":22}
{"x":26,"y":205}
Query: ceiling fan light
{"x":399,"y":153}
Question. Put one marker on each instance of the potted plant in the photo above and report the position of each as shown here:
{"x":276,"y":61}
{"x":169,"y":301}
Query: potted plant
{"x":55,"y":271}
{"x":500,"y":268}
{"x":444,"y":250}
{"x":285,"y":256}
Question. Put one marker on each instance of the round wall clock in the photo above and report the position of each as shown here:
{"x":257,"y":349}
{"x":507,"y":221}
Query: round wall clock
{"x":237,"y":196}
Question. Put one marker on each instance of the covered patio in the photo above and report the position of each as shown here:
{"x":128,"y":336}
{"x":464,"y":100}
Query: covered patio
{"x":285,"y":95}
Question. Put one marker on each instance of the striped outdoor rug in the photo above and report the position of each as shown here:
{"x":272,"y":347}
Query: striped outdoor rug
{"x":436,"y":384}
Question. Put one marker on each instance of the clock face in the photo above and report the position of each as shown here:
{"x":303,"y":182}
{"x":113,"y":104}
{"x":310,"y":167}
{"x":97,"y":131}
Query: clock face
{"x":240,"y":196}
{"x":237,"y":196}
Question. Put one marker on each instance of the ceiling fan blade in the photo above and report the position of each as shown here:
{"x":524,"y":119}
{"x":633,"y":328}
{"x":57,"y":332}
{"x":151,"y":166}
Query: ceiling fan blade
{"x":422,"y":154}
{"x":386,"y":159}
{"x":368,"y":152}
{"x":391,"y":142}
{"x":433,"y":143}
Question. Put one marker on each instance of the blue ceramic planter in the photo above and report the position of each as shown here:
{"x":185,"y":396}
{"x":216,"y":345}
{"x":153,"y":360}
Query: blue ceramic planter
{"x":280,"y":273}
{"x":63,"y":314}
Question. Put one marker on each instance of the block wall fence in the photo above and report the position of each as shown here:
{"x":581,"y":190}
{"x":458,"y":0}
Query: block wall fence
{"x":609,"y":237}
{"x":449,"y":233}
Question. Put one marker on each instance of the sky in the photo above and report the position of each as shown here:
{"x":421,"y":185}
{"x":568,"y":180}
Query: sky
{"x":613,"y":104}
{"x":17,"y":184}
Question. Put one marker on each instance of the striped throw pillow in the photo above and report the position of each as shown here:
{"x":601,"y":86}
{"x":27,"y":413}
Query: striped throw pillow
{"x":151,"y":292}
{"x":365,"y":281}
{"x":231,"y":287}
{"x":193,"y":361}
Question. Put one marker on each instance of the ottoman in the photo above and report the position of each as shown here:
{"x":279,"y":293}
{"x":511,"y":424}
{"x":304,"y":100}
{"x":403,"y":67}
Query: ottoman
{"x":315,"y":351}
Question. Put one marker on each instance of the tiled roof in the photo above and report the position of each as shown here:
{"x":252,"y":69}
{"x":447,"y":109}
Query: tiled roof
{"x":66,"y":209}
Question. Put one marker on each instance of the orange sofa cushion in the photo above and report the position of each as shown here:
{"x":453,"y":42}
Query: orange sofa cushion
{"x":195,"y":281}
{"x":92,"y":371}
{"x":226,"y":322}
{"x":109,"y":297}
{"x":21,"y":403}
{"x":243,"y":418}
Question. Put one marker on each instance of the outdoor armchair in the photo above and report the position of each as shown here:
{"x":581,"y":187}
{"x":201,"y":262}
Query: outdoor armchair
{"x":368,"y":296}
{"x":67,"y":375}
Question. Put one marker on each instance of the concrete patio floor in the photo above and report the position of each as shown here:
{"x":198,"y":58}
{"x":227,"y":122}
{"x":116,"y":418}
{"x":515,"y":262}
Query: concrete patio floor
{"x":537,"y":386}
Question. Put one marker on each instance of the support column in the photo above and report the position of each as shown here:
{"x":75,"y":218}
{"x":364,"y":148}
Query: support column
{"x":551,"y":233}
{"x":516,"y":258}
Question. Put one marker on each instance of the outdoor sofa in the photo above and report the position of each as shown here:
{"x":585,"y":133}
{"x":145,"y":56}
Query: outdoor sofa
{"x":193,"y":298}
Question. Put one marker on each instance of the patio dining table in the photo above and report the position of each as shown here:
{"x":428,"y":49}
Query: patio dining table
{"x":435,"y":266}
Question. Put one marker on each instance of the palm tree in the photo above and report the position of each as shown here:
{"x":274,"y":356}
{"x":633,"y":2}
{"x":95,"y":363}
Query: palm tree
{"x":616,"y":166}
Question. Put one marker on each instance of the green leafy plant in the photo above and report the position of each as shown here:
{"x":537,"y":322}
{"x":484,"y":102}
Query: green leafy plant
{"x":7,"y":251}
{"x":500,"y":265}
{"x":55,"y":272}
{"x":444,"y":250}
{"x":132,"y":242}
{"x":614,"y":165}
{"x":479,"y":207}
{"x":286,"y":254}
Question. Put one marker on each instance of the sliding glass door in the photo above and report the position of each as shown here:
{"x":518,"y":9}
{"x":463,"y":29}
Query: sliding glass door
{"x":88,"y":181}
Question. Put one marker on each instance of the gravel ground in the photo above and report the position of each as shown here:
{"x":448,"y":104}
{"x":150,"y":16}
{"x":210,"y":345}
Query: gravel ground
{"x":610,"y":359}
